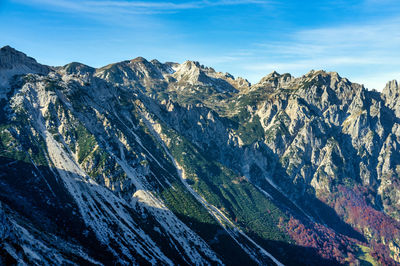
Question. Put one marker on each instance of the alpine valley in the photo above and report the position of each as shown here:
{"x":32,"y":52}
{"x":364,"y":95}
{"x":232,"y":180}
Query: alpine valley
{"x":149,"y":163}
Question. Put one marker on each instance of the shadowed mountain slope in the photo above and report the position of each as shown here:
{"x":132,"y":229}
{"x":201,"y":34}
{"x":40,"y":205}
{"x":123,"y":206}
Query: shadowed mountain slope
{"x":141,"y":162}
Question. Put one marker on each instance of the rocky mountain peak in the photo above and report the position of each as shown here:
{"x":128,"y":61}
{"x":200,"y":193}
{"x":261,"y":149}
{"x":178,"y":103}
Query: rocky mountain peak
{"x":141,"y":63}
{"x":316,"y":74}
{"x":166,"y":68}
{"x":9,"y":58}
{"x":191,"y":72}
{"x":274,"y":80}
{"x":153,"y":69}
{"x":192,"y":64}
{"x":391,"y":94}
{"x":239,"y":83}
{"x":8,"y":50}
{"x":78,"y":68}
{"x":391,"y":89}
{"x":168,"y":163}
{"x":139,"y":59}
{"x":13,"y":62}
{"x":332,"y":80}
{"x":135,"y":71}
{"x":323,"y":76}
{"x":273,"y":74}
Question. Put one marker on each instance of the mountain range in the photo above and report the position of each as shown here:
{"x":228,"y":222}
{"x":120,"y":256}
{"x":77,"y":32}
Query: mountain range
{"x":143,"y":162}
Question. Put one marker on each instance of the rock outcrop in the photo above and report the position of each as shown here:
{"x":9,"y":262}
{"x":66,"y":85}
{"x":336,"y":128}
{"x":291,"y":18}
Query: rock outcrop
{"x":13,"y":62}
{"x":165,"y":163}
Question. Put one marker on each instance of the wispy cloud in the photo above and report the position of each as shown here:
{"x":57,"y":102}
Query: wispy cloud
{"x":372,"y":40}
{"x":342,"y":48}
{"x":134,"y":7}
{"x":368,"y":50}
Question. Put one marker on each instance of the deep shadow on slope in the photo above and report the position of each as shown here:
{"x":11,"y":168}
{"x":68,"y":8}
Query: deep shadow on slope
{"x":308,"y":202}
{"x":36,"y":196}
{"x":288,"y":254}
{"x":27,"y":192}
{"x":314,"y":206}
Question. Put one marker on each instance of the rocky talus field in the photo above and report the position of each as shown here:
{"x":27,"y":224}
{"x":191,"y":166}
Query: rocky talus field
{"x":149,"y":163}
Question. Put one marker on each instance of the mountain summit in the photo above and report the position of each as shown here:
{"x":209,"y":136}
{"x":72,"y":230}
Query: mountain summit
{"x":13,"y":62}
{"x":143,"y":162}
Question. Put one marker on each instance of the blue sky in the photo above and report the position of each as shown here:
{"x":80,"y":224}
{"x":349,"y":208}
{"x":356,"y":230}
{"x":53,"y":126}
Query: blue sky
{"x":248,"y":38}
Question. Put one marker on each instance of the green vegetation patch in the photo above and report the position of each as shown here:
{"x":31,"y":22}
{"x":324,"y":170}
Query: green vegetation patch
{"x":52,"y":85}
{"x":365,"y":257}
{"x":229,"y":192}
{"x":86,"y":142}
{"x":248,"y":127}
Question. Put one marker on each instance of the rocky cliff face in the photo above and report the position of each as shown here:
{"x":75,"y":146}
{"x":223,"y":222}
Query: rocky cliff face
{"x":13,"y":62}
{"x":143,"y":162}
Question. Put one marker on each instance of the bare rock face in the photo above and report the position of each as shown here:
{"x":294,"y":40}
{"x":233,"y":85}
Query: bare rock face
{"x":391,"y":94}
{"x":78,"y":69}
{"x":6,"y":228}
{"x":274,"y":81}
{"x":391,"y":90}
{"x":141,"y":161}
{"x":192,"y":73}
{"x":13,"y":62}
